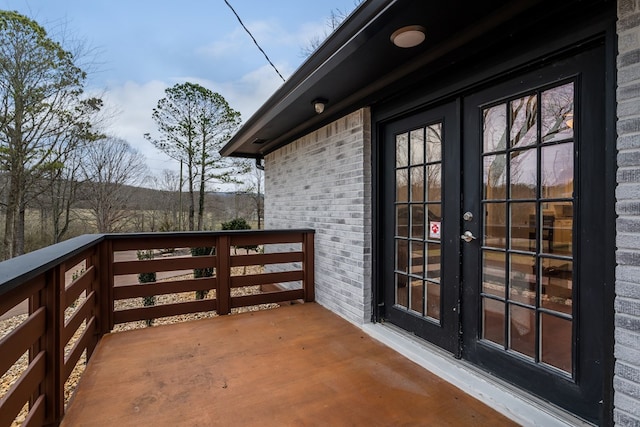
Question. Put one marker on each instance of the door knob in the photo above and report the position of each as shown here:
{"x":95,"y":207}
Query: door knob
{"x":468,"y":236}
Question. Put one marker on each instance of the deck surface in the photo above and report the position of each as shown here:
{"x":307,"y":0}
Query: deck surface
{"x":298,"y":365}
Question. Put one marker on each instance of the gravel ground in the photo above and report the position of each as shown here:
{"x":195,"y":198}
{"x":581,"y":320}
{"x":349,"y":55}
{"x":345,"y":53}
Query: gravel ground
{"x":7,"y":325}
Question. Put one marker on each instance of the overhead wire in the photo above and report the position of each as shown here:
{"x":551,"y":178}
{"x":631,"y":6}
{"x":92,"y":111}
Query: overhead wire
{"x":254,"y":40}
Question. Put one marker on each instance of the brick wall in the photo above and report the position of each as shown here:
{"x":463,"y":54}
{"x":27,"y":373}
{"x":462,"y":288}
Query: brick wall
{"x":627,"y":304}
{"x":323,"y":181}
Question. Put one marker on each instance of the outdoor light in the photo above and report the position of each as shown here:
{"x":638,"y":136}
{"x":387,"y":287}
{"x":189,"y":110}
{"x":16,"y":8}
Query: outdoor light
{"x":319,"y":104}
{"x":409,"y":36}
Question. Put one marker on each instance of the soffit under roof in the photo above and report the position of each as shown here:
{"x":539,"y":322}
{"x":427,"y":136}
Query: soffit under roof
{"x":358,"y":65}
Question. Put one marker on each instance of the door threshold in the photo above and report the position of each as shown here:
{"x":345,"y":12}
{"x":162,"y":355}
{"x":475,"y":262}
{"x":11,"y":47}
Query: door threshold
{"x":516,"y":404}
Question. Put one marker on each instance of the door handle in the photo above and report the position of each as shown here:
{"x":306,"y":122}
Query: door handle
{"x":468,"y":236}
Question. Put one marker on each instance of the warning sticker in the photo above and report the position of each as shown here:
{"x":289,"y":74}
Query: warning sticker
{"x":434,"y":229}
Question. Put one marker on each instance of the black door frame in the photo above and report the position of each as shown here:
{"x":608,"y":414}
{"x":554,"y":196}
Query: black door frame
{"x":445,"y":333}
{"x":422,"y":93}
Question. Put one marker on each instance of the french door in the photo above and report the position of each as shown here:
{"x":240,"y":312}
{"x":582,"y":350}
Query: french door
{"x":493,"y":220}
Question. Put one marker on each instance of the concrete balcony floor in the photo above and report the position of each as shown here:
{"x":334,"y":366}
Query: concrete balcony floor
{"x":298,"y":365}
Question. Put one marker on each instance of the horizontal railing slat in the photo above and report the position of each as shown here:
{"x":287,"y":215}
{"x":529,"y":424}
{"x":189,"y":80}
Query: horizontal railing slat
{"x":18,"y":295}
{"x":78,"y":348}
{"x":76,"y":287}
{"x":18,"y":341}
{"x":262,"y":259}
{"x":81,"y":257}
{"x":266,"y":278}
{"x":165,"y":310}
{"x":264,"y":239}
{"x":159,"y":241}
{"x":163,"y":264}
{"x":81,"y":313}
{"x":267,"y":298}
{"x":36,"y":415}
{"x":163,"y":288}
{"x":23,"y":389}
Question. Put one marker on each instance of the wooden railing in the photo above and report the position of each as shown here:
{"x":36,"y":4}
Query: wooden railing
{"x":72,"y":290}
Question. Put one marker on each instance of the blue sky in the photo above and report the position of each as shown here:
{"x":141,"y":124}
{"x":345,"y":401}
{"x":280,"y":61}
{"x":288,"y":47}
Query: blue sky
{"x":146,"y":46}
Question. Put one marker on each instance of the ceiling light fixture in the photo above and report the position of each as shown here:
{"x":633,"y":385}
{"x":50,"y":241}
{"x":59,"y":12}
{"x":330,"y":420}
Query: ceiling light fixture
{"x":319,"y":104}
{"x":409,"y":36}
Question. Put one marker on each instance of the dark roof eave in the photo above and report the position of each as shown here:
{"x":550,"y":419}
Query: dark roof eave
{"x":324,"y":59}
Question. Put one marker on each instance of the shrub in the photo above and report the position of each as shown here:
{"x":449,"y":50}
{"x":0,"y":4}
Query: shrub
{"x":202,"y":272}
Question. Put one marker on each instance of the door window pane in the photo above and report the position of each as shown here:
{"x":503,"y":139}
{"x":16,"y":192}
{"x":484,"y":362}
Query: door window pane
{"x":434,"y":261}
{"x":524,"y":116}
{"x":402,"y":221}
{"x":557,"y":285}
{"x":557,"y":171}
{"x":402,"y":255}
{"x":434,"y":143}
{"x":494,"y":270}
{"x":495,"y":225}
{"x":433,"y":300}
{"x":558,"y":229}
{"x":522,"y":279}
{"x":402,"y":291}
{"x":556,"y":342}
{"x":523,"y":174}
{"x":417,"y":146}
{"x":417,"y":295}
{"x":402,"y":150}
{"x":522,"y":336}
{"x":523,"y":226}
{"x":417,"y":221}
{"x":493,"y":321}
{"x":434,"y":182}
{"x":557,"y":113}
{"x":402,"y":185}
{"x":495,"y":177}
{"x":494,"y":133}
{"x":417,"y":258}
{"x":417,"y":184}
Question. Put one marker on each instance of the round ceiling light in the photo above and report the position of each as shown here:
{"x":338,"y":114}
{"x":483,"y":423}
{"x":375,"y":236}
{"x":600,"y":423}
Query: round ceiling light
{"x":409,"y":36}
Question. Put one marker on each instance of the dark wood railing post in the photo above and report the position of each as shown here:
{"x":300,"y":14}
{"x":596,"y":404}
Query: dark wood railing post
{"x":53,"y":385}
{"x":223,"y":274}
{"x":308,"y":267}
{"x":105,"y":286}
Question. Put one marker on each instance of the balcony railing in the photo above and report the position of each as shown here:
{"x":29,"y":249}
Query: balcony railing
{"x":73,"y":289}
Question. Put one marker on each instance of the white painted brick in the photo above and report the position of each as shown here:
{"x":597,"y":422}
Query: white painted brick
{"x":627,"y":305}
{"x":323,"y":181}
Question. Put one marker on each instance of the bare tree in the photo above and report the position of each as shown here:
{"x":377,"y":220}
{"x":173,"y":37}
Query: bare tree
{"x":110,"y":167}
{"x":41,"y":105}
{"x":336,"y":16}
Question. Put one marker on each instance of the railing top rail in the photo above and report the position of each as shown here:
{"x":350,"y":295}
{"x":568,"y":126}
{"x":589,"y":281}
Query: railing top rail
{"x":177,"y":234}
{"x":19,"y":270}
{"x":16,"y":271}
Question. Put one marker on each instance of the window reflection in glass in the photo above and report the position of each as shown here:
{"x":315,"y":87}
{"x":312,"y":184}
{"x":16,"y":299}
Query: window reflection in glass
{"x":402,"y":185}
{"x":434,"y":181}
{"x":433,"y":300}
{"x":495,"y":176}
{"x":494,"y":128}
{"x":402,"y":150}
{"x":558,"y":119}
{"x":402,"y":255}
{"x":417,"y":295}
{"x":493,"y":321}
{"x":523,"y":226}
{"x":402,"y":291}
{"x":556,"y":342}
{"x":522,"y":337}
{"x":524,"y":115}
{"x":493,"y":273}
{"x":417,"y":258}
{"x":557,"y":285}
{"x":557,"y":171}
{"x":433,"y":261}
{"x":417,"y":184}
{"x":523,"y":174}
{"x":434,"y":143}
{"x":495,"y":225}
{"x":522,"y":279}
{"x":417,"y":146}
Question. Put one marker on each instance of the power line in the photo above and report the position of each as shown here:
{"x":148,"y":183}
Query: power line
{"x":254,"y":40}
